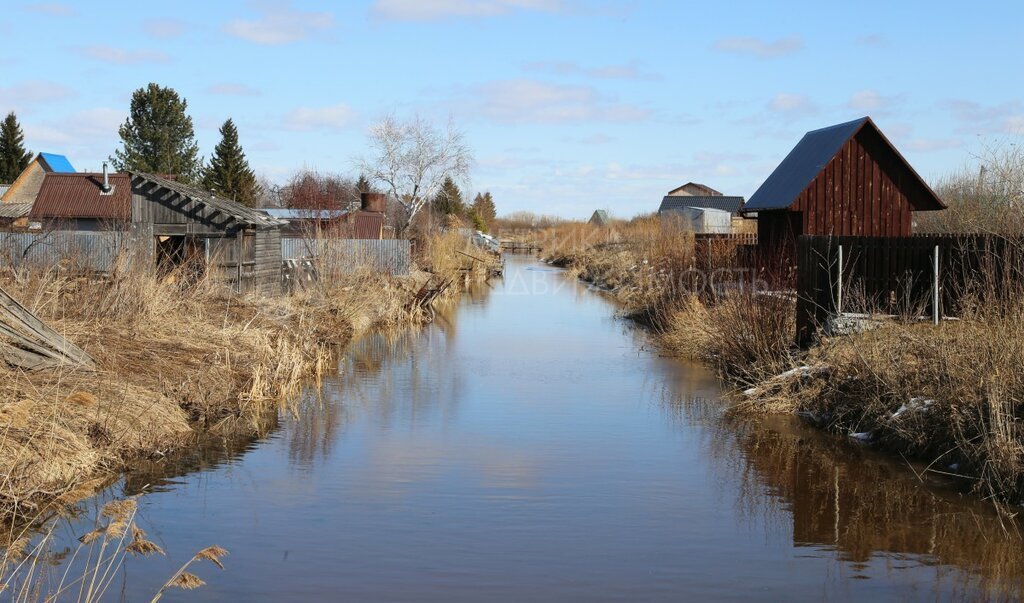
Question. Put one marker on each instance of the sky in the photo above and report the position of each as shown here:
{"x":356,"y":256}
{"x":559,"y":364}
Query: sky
{"x":568,"y":105}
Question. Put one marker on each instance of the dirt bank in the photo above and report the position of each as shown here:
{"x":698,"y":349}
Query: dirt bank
{"x":174,"y":361}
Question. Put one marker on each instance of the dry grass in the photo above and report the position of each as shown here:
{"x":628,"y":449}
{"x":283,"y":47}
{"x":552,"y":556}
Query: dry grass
{"x":174,"y":359}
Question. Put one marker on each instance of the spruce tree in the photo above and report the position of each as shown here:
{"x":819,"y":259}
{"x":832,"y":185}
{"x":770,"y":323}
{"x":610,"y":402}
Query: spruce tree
{"x":363,"y":185}
{"x":158,"y":136}
{"x":13,"y":156}
{"x":228,"y":174}
{"x":483,"y":208}
{"x":448,"y":200}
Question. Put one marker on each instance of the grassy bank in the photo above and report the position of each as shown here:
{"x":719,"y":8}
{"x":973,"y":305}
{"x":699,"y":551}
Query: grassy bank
{"x":175,"y":361}
{"x":952,"y":395}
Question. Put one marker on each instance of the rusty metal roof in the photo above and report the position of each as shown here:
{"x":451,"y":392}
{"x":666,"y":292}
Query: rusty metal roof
{"x":81,"y":196}
{"x":367,"y":225}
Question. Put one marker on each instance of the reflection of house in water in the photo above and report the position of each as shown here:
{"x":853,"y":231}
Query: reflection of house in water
{"x":862,"y":504}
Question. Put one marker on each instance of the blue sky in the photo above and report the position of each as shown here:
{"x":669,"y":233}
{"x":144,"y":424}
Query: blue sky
{"x":568,"y":105}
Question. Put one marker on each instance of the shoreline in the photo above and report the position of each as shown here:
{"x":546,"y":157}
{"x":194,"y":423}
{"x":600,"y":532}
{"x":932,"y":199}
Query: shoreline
{"x":908,"y":390}
{"x":175,"y":364}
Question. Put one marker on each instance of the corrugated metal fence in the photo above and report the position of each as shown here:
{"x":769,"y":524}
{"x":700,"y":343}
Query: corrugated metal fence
{"x":94,"y":251}
{"x":393,"y":256}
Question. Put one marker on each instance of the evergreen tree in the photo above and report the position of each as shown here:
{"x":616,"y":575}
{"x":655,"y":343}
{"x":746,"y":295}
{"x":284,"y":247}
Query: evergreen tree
{"x":448,"y":200}
{"x":13,"y":156}
{"x":158,"y":136}
{"x":483,"y":207}
{"x":363,"y":185}
{"x":228,"y":174}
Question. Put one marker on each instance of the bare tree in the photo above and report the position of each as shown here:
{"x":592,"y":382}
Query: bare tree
{"x":412,"y":159}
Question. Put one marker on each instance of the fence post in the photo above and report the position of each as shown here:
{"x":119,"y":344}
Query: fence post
{"x":935,"y":287}
{"x":839,"y":296}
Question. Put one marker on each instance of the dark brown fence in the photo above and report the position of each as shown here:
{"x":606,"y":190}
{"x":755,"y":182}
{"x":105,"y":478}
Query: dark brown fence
{"x":899,"y":275}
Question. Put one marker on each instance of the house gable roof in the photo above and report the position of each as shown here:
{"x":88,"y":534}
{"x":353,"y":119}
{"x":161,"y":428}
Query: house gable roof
{"x":58,"y":164}
{"x":704,"y":189}
{"x":719,"y":202}
{"x":814,"y":151}
{"x":231,"y":212}
{"x":80,"y":195}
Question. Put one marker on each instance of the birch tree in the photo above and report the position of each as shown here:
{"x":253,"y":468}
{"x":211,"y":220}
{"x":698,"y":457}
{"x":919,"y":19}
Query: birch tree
{"x":412,"y":159}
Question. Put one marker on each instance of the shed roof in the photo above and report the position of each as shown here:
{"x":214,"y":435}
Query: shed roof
{"x":814,"y":151}
{"x":719,"y":202}
{"x":58,"y":164}
{"x":66,"y":196}
{"x":242,"y":214}
{"x":4,"y":188}
{"x":13,"y":211}
{"x":291,"y":213}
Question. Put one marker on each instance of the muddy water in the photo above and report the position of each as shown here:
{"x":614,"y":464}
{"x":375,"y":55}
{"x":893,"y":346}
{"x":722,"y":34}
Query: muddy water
{"x":529,"y":447}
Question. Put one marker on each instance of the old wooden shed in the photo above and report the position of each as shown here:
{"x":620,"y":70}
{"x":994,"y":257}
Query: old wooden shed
{"x":168,"y":223}
{"x":843,"y":180}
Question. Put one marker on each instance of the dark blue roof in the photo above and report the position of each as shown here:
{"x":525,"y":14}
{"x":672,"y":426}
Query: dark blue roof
{"x":720,"y":202}
{"x":803,"y":163}
{"x":57,"y":163}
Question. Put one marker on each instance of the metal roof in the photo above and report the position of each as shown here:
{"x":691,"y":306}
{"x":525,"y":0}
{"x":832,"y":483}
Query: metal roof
{"x":803,"y":163}
{"x":57,"y":164}
{"x":13,"y":211}
{"x":247,"y":216}
{"x":66,"y":196}
{"x":719,"y":202}
{"x":291,"y":213}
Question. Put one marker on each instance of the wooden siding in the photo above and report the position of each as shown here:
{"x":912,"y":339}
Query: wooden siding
{"x":267,"y":273}
{"x":858,"y":193}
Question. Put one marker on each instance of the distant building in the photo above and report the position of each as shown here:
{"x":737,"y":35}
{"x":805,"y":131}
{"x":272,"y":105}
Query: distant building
{"x":170,"y":223}
{"x":694,"y":189}
{"x":843,"y":180}
{"x":694,"y":200}
{"x":600,"y":218}
{"x":25,"y":187}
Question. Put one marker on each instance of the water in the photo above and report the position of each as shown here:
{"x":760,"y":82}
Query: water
{"x":529,"y":446}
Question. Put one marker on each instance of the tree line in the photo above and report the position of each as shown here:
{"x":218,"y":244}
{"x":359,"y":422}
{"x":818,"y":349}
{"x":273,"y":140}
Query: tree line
{"x":415,"y":162}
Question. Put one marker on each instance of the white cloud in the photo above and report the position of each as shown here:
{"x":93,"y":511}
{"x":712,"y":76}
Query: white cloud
{"x":1014,"y":125}
{"x":872,"y":100}
{"x":280,"y":24}
{"x":429,"y":10}
{"x":52,"y":9}
{"x":784,"y":102}
{"x":760,"y":48}
{"x":628,"y":71}
{"x":32,"y":92}
{"x":316,"y":118}
{"x":590,"y":140}
{"x":531,"y":101}
{"x":871,"y":40}
{"x":120,"y":56}
{"x":164,"y":28}
{"x":229,"y":89}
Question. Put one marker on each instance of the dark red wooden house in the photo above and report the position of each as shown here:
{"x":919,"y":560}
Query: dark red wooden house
{"x":844,"y":180}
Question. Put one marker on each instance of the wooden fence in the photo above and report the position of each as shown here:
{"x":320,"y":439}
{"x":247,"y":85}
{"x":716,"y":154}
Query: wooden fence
{"x":924,"y":275}
{"x":393,"y":256}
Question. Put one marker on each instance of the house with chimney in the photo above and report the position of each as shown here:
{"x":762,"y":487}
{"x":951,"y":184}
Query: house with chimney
{"x":168,"y":223}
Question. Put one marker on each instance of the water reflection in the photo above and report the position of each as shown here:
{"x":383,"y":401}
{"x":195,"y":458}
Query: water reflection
{"x":528,"y":446}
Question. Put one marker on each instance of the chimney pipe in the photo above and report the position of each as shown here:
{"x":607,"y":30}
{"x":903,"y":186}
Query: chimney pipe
{"x":106,"y":179}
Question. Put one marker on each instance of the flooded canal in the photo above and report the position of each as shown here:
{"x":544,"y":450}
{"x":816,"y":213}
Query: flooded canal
{"x":529,"y":447}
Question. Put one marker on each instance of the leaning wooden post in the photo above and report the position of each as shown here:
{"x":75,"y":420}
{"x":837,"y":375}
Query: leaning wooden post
{"x":839,"y":295}
{"x":935,"y":287}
